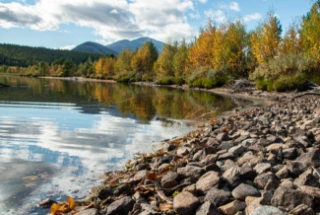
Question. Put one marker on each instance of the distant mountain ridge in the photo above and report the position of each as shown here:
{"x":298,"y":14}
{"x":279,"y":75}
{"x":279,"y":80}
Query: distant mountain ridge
{"x":117,"y":47}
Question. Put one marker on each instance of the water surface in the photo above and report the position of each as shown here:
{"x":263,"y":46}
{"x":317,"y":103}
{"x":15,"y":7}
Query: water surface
{"x":58,"y":137}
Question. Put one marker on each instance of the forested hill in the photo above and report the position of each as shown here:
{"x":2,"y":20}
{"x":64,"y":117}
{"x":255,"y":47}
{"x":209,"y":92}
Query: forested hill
{"x":16,"y":55}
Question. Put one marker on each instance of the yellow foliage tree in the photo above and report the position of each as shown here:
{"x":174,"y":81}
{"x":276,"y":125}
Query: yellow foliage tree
{"x":123,"y":62}
{"x":143,"y":60}
{"x":291,"y":43}
{"x":164,"y":64}
{"x":265,"y":40}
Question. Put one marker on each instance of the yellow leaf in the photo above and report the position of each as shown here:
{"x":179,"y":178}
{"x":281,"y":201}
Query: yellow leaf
{"x":71,"y":202}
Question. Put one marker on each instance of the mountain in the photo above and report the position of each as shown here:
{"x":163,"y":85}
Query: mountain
{"x":117,"y":47}
{"x":92,"y":47}
{"x":134,"y":44}
{"x":17,"y":55}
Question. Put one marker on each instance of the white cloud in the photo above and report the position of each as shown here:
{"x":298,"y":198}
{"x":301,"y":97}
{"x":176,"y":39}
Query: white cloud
{"x":252,"y":17}
{"x":216,"y":16}
{"x":203,"y":1}
{"x":231,"y":6}
{"x":110,"y":19}
{"x":195,"y":15}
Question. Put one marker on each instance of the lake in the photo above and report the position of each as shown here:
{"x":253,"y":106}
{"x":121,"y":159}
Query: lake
{"x":58,"y":137}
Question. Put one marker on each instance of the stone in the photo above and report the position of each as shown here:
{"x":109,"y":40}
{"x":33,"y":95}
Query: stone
{"x":217,"y":196}
{"x":121,"y":206}
{"x":254,"y":204}
{"x":267,"y":210}
{"x":262,"y":167}
{"x":276,"y":147}
{"x":310,"y":158}
{"x":170,"y":180}
{"x":186,"y":203}
{"x":191,"y":188}
{"x":302,"y":210}
{"x":290,"y":153}
{"x":249,"y":199}
{"x":261,"y":181}
{"x":122,"y":189}
{"x":207,"y":208}
{"x":170,"y":147}
{"x":209,"y":159}
{"x":314,"y":192}
{"x":233,"y":207}
{"x":237,"y":150}
{"x":244,"y":190}
{"x":232,"y":176}
{"x":307,"y":178}
{"x":139,"y":176}
{"x":183,"y":151}
{"x":105,"y":192}
{"x":283,"y":173}
{"x":190,"y":171}
{"x":290,"y":198}
{"x":207,"y":181}
{"x":225,"y":156}
{"x":296,"y":168}
{"x":222,"y":137}
{"x":91,"y":211}
{"x":247,"y":173}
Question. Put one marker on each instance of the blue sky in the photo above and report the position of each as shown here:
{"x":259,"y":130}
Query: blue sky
{"x":66,"y":23}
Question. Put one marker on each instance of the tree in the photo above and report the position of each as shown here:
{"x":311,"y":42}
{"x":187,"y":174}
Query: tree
{"x":291,"y":43}
{"x":144,"y":58}
{"x":123,"y":62}
{"x":310,"y":31}
{"x":265,"y":41}
{"x":164,"y":64}
{"x":181,"y":60}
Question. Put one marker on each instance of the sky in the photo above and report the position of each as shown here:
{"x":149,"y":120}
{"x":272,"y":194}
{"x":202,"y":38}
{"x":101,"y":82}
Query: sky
{"x":64,"y":24}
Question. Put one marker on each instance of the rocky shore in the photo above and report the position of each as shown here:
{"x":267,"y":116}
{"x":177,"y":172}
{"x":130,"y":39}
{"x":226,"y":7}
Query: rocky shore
{"x":262,"y":161}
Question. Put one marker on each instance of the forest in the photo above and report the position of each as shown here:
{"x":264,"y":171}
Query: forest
{"x":273,"y":59}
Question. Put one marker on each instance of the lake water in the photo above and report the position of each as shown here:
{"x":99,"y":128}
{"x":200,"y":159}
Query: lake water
{"x":58,"y":137}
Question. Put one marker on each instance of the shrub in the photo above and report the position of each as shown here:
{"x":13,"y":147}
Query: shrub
{"x":290,"y":83}
{"x":211,"y":79}
{"x":128,"y":77}
{"x":264,"y":85}
{"x":170,"y":81}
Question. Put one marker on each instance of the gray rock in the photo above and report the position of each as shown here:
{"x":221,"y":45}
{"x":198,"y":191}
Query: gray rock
{"x":207,"y":181}
{"x":244,"y":190}
{"x":289,"y":198}
{"x":183,"y":151}
{"x":283,"y":173}
{"x":227,"y":155}
{"x":247,"y":173}
{"x":290,"y":153}
{"x":233,"y":207}
{"x":207,"y":209}
{"x":302,"y":210}
{"x":218,"y":197}
{"x":296,"y":168}
{"x":261,"y":181}
{"x":105,"y":192}
{"x":170,"y":180}
{"x":222,"y":137}
{"x":121,"y":206}
{"x":307,"y":178}
{"x":209,"y":159}
{"x":139,"y":176}
{"x":237,"y":150}
{"x":310,"y":158}
{"x":232,"y":176}
{"x":262,"y":167}
{"x":91,"y":211}
{"x":190,"y":171}
{"x":186,"y":203}
{"x":267,"y":210}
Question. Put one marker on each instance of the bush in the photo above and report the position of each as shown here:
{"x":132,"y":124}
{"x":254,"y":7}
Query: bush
{"x":264,"y":85}
{"x":212,"y":79}
{"x":289,"y":83}
{"x":128,"y":77}
{"x":171,"y":81}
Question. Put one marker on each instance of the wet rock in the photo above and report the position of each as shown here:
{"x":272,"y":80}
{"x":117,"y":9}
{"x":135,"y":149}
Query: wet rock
{"x":207,"y":209}
{"x":261,"y":181}
{"x":185,"y":203}
{"x":267,"y":210}
{"x":233,"y":207}
{"x":91,"y":211}
{"x":244,"y":190}
{"x":207,"y":181}
{"x":170,"y":180}
{"x":302,"y":210}
{"x":262,"y":167}
{"x":217,"y":196}
{"x":232,"y":176}
{"x":121,"y":206}
{"x":290,"y":198}
{"x":105,"y":192}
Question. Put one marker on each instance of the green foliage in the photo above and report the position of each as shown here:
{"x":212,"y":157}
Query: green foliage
{"x":290,"y":83}
{"x":211,"y":79}
{"x":264,"y":85}
{"x":175,"y":193}
{"x":23,"y":56}
{"x":127,"y":77}
{"x":171,"y":81}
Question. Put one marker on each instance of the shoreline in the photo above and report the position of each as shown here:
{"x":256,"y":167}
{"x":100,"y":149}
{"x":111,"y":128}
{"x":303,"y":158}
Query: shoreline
{"x":246,"y":163}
